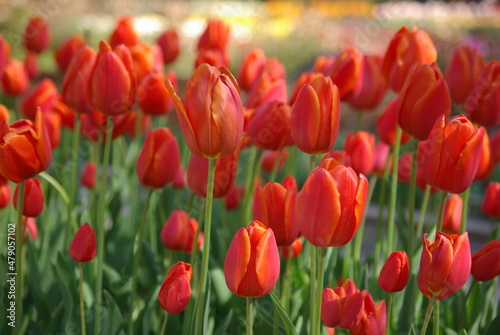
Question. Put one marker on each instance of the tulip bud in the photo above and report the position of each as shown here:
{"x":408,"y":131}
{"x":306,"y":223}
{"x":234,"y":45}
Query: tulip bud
{"x":347,"y":72}
{"x":83,"y":246}
{"x":305,"y":78}
{"x":380,"y":164}
{"x":31,"y":65}
{"x":145,"y":59}
{"x":485,"y":167}
{"x":251,"y":68}
{"x":360,"y":147}
{"x":153,"y":96}
{"x":175,"y":292}
{"x":486,"y":261}
{"x":269,"y":127}
{"x":65,"y":52}
{"x":342,"y":306}
{"x":293,"y":250}
{"x":452,"y":216}
{"x":323,"y":64}
{"x":89,"y":175}
{"x":29,"y":228}
{"x":373,"y":318}
{"x":252,"y":264}
{"x":180,"y":178}
{"x":395,"y":273}
{"x":269,"y":86}
{"x":124,"y":33}
{"x":33,"y":198}
{"x":269,"y":160}
{"x":169,"y":44}
{"x":491,"y":201}
{"x":36,"y":37}
{"x":179,"y":231}
{"x":4,"y":193}
{"x":4,"y":54}
{"x":445,"y":265}
{"x":233,"y":198}
{"x":15,"y":79}
{"x":215,"y":36}
{"x":44,"y":95}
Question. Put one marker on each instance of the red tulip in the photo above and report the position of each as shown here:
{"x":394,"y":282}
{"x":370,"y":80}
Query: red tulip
{"x":53,"y":125}
{"x":215,"y":36}
{"x":233,"y":198}
{"x":83,"y":246}
{"x":65,"y":52}
{"x":67,"y":114}
{"x":251,"y":68}
{"x":293,"y":250}
{"x":168,"y":41}
{"x":424,"y":97}
{"x":15,"y":79}
{"x":463,"y":72}
{"x":213,"y":57}
{"x":483,"y":104}
{"x":373,"y":319}
{"x":269,"y":86}
{"x":146,"y":59}
{"x":452,"y":153}
{"x":490,"y":206}
{"x":4,"y":192}
{"x":89,"y":175}
{"x":405,"y":166}
{"x":44,"y":96}
{"x":495,"y":147}
{"x":269,"y":160}
{"x":4,"y":113}
{"x":342,"y":306}
{"x":486,"y":261}
{"x":305,"y":78}
{"x":269,"y":127}
{"x":180,"y":178}
{"x":360,"y":147}
{"x":330,"y":205}
{"x":4,"y":54}
{"x":124,"y":33}
{"x":405,"y":49}
{"x":212,"y":118}
{"x":36,"y":37}
{"x":29,"y":228}
{"x":24,"y":149}
{"x":175,"y":292}
{"x":372,"y":85}
{"x":179,"y":231}
{"x":111,"y":85}
{"x":31,"y":65}
{"x":316,"y":116}
{"x":380,"y":165}
{"x":252,"y":263}
{"x":395,"y":273}
{"x":347,"y":73}
{"x":452,"y":216}
{"x":33,"y":198}
{"x":153,"y":96}
{"x":486,"y":163}
{"x":445,"y":265}
{"x":323,"y":64}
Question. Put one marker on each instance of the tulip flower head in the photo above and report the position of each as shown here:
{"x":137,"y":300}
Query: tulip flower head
{"x":486,"y":261}
{"x":124,"y":33}
{"x":395,"y":273}
{"x":360,"y":147}
{"x":36,"y":37}
{"x":89,"y":175}
{"x":251,"y":68}
{"x":347,"y":72}
{"x":15,"y":78}
{"x":293,"y":250}
{"x":490,"y":206}
{"x":33,"y":198}
{"x":342,"y":306}
{"x":83,"y":246}
{"x":4,"y":193}
{"x":65,"y":52}
{"x":373,"y":319}
{"x":175,"y":292}
{"x":43,"y":96}
{"x":179,"y":231}
{"x":169,"y":44}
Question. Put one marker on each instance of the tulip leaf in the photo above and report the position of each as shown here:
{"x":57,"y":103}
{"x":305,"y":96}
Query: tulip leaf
{"x":494,"y":327}
{"x":112,"y":317}
{"x":462,"y":332}
{"x":224,"y":326}
{"x":290,"y":329}
{"x":65,"y":278}
{"x":219,"y":283}
{"x":412,"y":330}
{"x":411,"y":304}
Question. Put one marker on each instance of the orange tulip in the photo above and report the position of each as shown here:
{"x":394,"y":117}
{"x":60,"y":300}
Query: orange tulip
{"x":486,"y":261}
{"x":360,"y":147}
{"x":168,"y":42}
{"x":153,"y":96}
{"x":424,"y":97}
{"x":293,"y":250}
{"x":491,"y":200}
{"x":316,"y":116}
{"x":124,"y":33}
{"x":452,"y":153}
{"x":251,"y":68}
{"x":4,"y":192}
{"x":347,"y":72}
{"x":215,"y":36}
{"x":342,"y":306}
{"x":89,"y":175}
{"x":445,"y":265}
{"x":373,"y":318}
{"x":65,"y":52}
{"x":146,"y":59}
{"x":67,"y":114}
{"x":33,"y":198}
{"x":269,"y":127}
{"x":83,"y":246}
{"x":395,"y":273}
{"x":213,"y":57}
{"x":252,"y":264}
{"x":305,"y":78}
{"x":270,"y":85}
{"x":44,"y":96}
{"x":175,"y":292}
{"x":323,"y":64}
{"x":179,"y":231}
{"x":452,"y":216}
{"x":15,"y":79}
{"x":36,"y":37}
{"x":372,"y":85}
{"x":405,"y":49}
{"x":4,"y":113}
{"x":212,"y":118}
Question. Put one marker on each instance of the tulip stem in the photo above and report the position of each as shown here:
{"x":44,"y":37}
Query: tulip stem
{"x":164,"y":326}
{"x":312,"y":288}
{"x":249,"y":316}
{"x":465,"y":210}
{"x":100,"y":225}
{"x":276,"y":165}
{"x":19,"y":253}
{"x":287,"y":283}
{"x":137,"y":258}
{"x":72,"y":179}
{"x":320,"y":254}
{"x":381,"y":207}
{"x":442,"y":201}
{"x":411,"y":202}
{"x":388,"y":318}
{"x":428,"y":314}
{"x":82,"y":304}
{"x":200,"y":298}
{"x":423,"y":210}
{"x":394,"y":190}
{"x":253,"y":160}
{"x":435,"y":325}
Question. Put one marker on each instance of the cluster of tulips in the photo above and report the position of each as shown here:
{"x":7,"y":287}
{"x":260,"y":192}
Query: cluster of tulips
{"x":123,"y":88}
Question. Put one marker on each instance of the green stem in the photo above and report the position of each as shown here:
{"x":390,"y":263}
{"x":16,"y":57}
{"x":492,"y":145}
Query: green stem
{"x":380,"y":221}
{"x":320,"y":253}
{"x":253,"y":161}
{"x":411,"y":202}
{"x":388,"y":318}
{"x":164,"y":326}
{"x":249,"y":316}
{"x":358,"y":239}
{"x":465,"y":209}
{"x":346,"y":265}
{"x":292,"y":160}
{"x":394,"y":192}
{"x":359,"y":120}
{"x":100,"y":225}
{"x":428,"y":314}
{"x":435,"y":328}
{"x":442,"y":202}
{"x":137,"y":258}
{"x":287,"y":284}
{"x":423,"y":210}
{"x":312,"y":288}
{"x":82,"y":304}
{"x":19,"y":259}
{"x":200,"y":299}
{"x":72,"y":179}
{"x":276,"y":165}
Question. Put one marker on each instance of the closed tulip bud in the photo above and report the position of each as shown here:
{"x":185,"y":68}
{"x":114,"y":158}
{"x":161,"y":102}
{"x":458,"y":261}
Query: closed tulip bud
{"x":269,"y":160}
{"x":380,"y":165}
{"x":180,"y":178}
{"x":347,"y":72}
{"x":31,"y":65}
{"x":452,"y":216}
{"x":33,"y":198}
{"x":53,"y":125}
{"x":213,"y":57}
{"x":169,"y":44}
{"x":153,"y":96}
{"x":251,"y":68}
{"x":225,"y":173}
{"x":44,"y":96}
{"x":452,"y":153}
{"x":215,"y":36}
{"x":486,"y":261}
{"x":316,"y":116}
{"x":495,"y":147}
{"x":252,"y":264}
{"x":4,"y":193}
{"x":293,"y":250}
{"x":36,"y":37}
{"x":88,"y":178}
{"x":305,"y":78}
{"x":212,"y":118}
{"x":24,"y":149}
{"x":76,"y":80}
{"x":83,"y":246}
{"x":330,"y":206}
{"x":486,"y":163}
{"x":15,"y":79}
{"x":30,"y":229}
{"x":179,"y":231}
{"x":372,"y":85}
{"x":342,"y":306}
{"x":424,"y":97}
{"x":395,"y":273}
{"x":373,"y":318}
{"x":445,"y":265}
{"x":111,"y":85}
{"x":145,"y":59}
{"x":233,"y":198}
{"x":175,"y":292}
{"x":269,"y":127}
{"x":5,"y":51}
{"x":4,"y":113}
{"x":323,"y":64}
{"x":159,"y":158}
{"x":463,"y":72}
{"x":483,"y":103}
{"x":360,"y":147}
{"x":124,"y":33}
{"x":65,"y":52}
{"x":405,"y":49}
{"x":269,"y":86}
{"x":490,"y":206}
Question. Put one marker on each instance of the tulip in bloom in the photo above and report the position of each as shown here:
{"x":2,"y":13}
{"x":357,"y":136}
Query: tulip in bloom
{"x":251,"y":68}
{"x":293,"y":250}
{"x":36,"y":37}
{"x":445,"y":265}
{"x":175,"y":292}
{"x":44,"y":95}
{"x":212,"y":118}
{"x":373,"y":319}
{"x":316,"y":116}
{"x":65,"y":52}
{"x":15,"y":78}
{"x":486,"y":261}
{"x":424,"y":97}
{"x":269,"y":127}
{"x":360,"y":147}
{"x":83,"y":246}
{"x":330,"y":206}
{"x":452,"y":153}
{"x":153,"y":96}
{"x":491,"y":200}
{"x":4,"y":192}
{"x":347,"y":72}
{"x":179,"y":231}
{"x":452,"y":216}
{"x":252,"y":263}
{"x":168,"y":42}
{"x":395,"y":273}
{"x":124,"y":33}
{"x":342,"y":306}
{"x":89,"y":175}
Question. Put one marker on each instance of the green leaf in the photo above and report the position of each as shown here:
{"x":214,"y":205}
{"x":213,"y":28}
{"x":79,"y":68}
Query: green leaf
{"x":462,"y":332}
{"x":290,"y":329}
{"x":219,"y":283}
{"x":224,"y":326}
{"x":411,"y":304}
{"x":412,"y":330}
{"x":67,"y":286}
{"x":494,"y":327}
{"x":112,"y":318}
